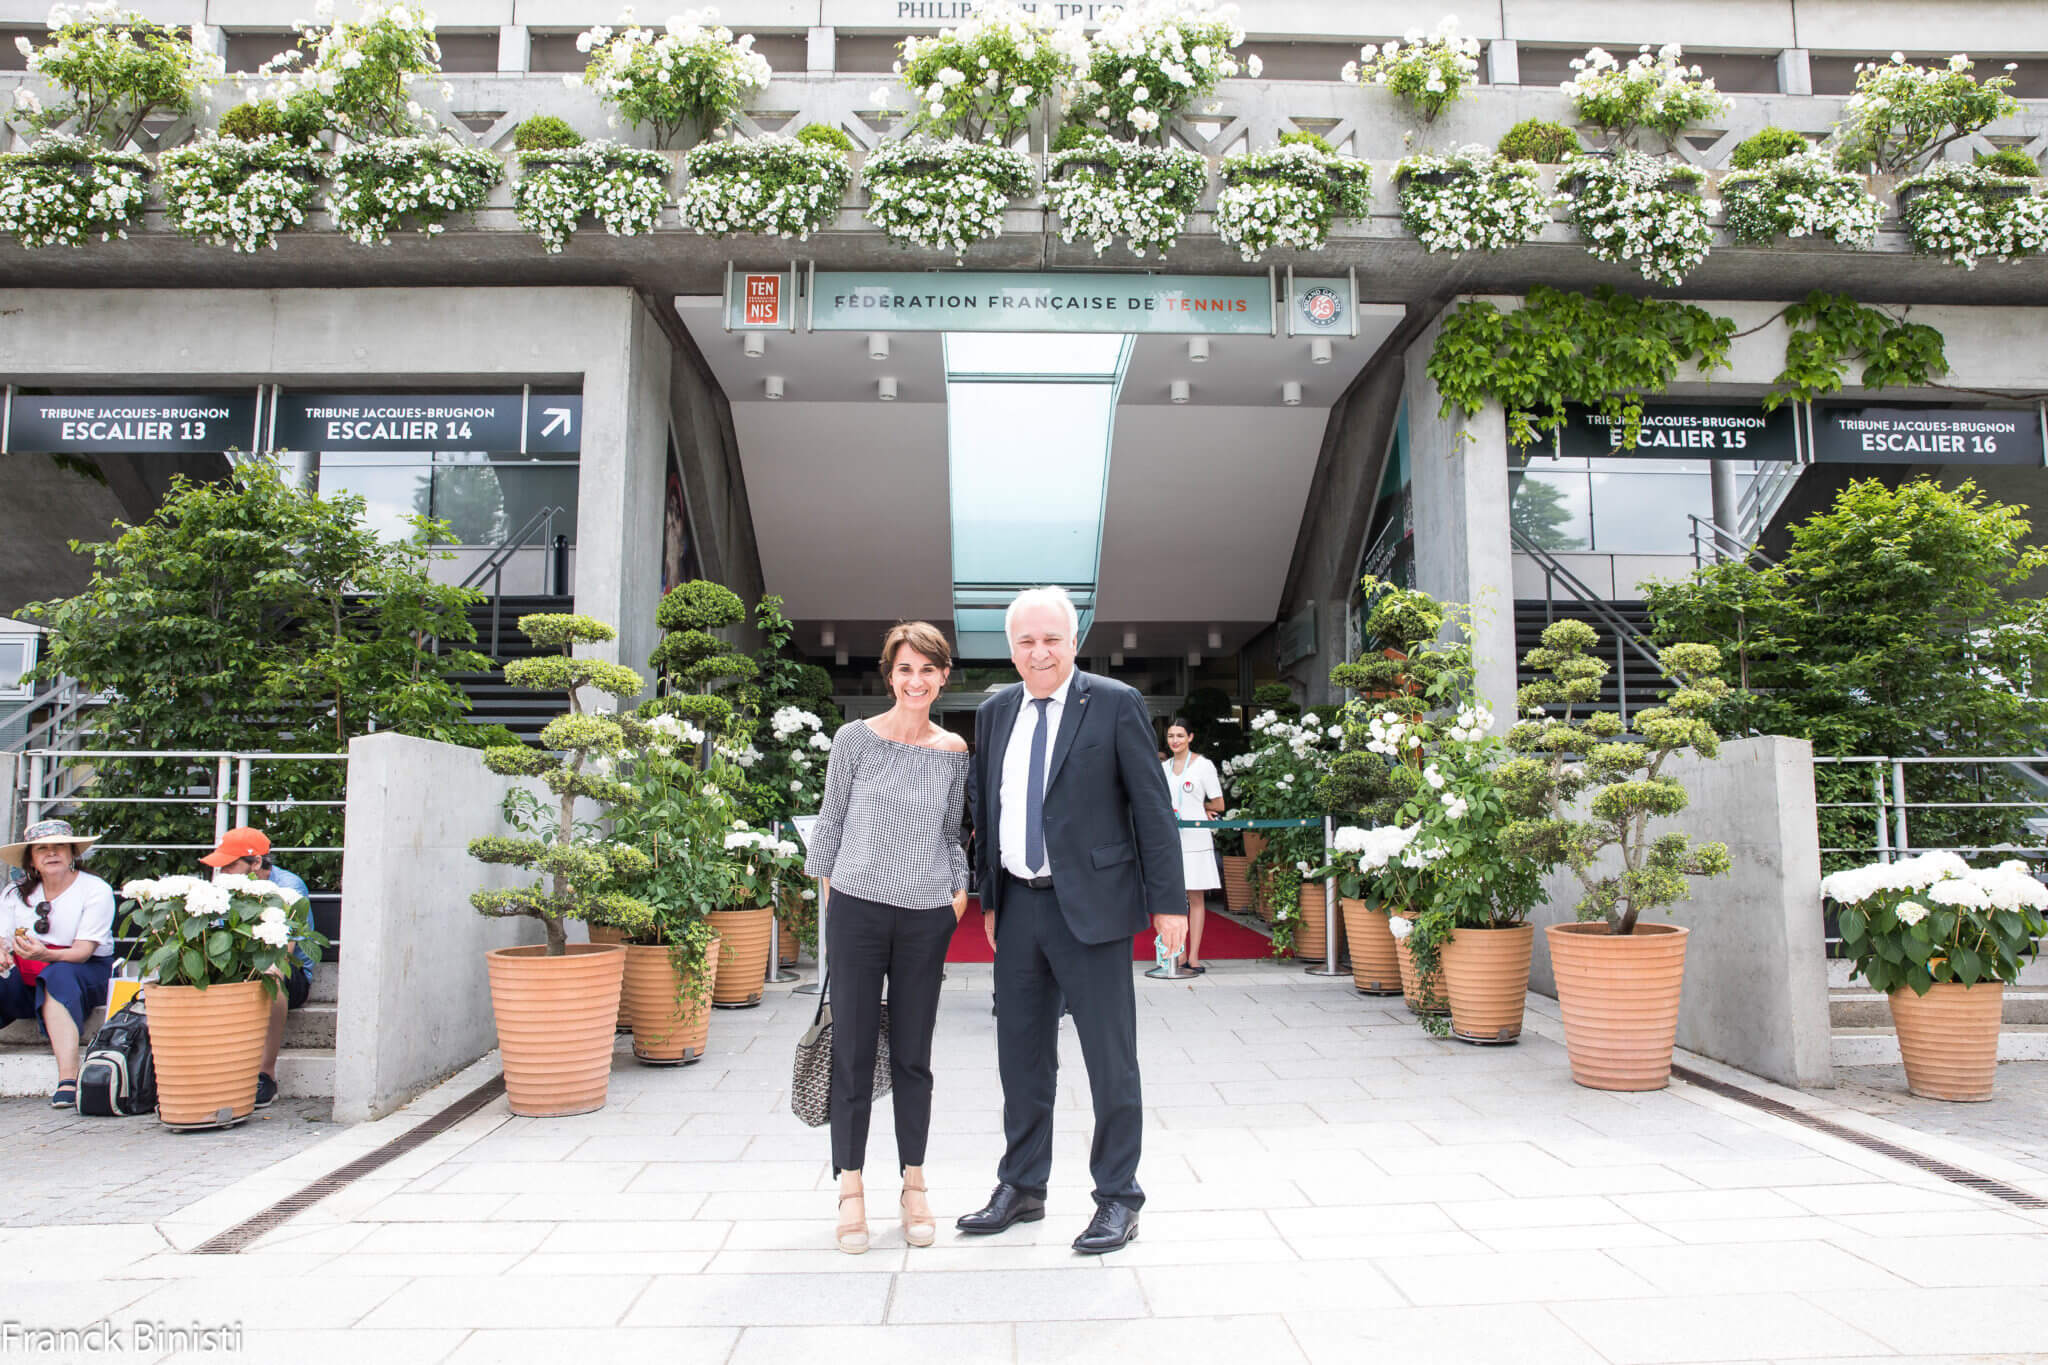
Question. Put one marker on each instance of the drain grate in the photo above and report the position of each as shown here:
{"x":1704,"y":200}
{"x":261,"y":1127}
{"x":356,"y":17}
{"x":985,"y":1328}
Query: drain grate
{"x":1955,"y":1175}
{"x":238,"y":1237}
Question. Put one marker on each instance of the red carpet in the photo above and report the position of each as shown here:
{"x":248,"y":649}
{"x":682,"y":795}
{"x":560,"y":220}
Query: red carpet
{"x":1222,"y":939}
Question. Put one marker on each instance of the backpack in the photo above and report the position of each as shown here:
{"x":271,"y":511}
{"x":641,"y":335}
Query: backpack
{"x":118,"y":1076}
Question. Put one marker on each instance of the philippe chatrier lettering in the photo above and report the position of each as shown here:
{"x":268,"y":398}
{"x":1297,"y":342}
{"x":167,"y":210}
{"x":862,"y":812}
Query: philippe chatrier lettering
{"x":105,"y":1337}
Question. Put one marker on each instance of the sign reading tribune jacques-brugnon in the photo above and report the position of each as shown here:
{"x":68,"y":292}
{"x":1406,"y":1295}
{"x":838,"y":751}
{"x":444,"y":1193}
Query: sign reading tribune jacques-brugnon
{"x":1905,"y":435}
{"x":131,"y":423}
{"x":1685,"y":431}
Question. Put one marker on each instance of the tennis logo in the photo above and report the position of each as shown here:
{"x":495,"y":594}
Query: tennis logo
{"x":1321,"y":306}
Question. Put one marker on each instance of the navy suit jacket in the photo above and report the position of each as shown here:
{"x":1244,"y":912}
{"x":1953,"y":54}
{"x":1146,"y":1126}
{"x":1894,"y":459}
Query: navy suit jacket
{"x":1110,"y":833}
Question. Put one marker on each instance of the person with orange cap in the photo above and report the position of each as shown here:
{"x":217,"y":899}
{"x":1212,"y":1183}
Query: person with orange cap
{"x":245,"y":852}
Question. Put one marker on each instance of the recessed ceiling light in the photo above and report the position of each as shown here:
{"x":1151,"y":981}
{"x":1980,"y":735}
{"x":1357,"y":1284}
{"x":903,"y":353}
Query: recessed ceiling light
{"x":1130,"y":639}
{"x":1178,"y":391}
{"x":826,"y":638}
{"x":1215,"y":639}
{"x":878,"y":345}
{"x":772,"y":385}
{"x":754,"y":345}
{"x":1198,"y":349}
{"x":885,"y":388}
{"x":1194,"y":657}
{"x":1290,"y":393}
{"x":1320,"y":351}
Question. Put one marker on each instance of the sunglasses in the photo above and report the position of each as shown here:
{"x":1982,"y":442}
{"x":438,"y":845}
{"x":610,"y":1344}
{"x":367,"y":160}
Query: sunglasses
{"x":42,"y":917}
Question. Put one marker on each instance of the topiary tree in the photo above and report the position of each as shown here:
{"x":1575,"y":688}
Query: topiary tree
{"x":584,"y":873}
{"x":1580,"y":786}
{"x":1276,"y":697}
{"x":1539,"y":140}
{"x":693,"y":664}
{"x":544,"y":133}
{"x":826,"y":135}
{"x":2012,"y":161}
{"x":1765,"y":146}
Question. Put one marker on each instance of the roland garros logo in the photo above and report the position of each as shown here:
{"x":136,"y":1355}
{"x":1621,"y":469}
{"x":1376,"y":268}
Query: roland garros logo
{"x":1321,"y":306}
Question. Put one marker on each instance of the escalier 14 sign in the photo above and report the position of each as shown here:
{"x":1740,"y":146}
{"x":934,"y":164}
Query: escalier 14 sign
{"x":965,"y":301}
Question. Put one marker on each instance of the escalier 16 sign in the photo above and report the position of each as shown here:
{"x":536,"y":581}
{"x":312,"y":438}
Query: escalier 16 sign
{"x":964,"y":301}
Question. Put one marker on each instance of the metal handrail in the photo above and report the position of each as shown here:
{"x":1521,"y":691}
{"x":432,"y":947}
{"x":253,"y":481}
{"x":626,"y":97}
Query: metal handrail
{"x":69,"y":698}
{"x":1764,"y":496}
{"x":1711,"y":540}
{"x":1626,"y":636}
{"x":493,"y":565}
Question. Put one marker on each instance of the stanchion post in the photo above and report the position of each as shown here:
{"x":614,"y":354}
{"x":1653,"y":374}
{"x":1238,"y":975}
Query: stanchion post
{"x":813,"y":987}
{"x":777,"y":973}
{"x":1172,"y":969}
{"x":1328,"y":966}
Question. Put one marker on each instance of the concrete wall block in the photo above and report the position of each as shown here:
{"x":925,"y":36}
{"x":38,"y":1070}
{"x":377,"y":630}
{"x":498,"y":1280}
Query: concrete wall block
{"x":415,"y":1001}
{"x":1756,"y":985}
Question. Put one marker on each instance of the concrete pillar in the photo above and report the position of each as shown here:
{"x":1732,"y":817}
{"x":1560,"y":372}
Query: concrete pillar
{"x":1724,"y":480}
{"x":1795,"y":72}
{"x":213,"y":38}
{"x":10,"y":792}
{"x":1459,"y":469}
{"x":515,"y":49}
{"x":822,"y":52}
{"x":1504,"y":62}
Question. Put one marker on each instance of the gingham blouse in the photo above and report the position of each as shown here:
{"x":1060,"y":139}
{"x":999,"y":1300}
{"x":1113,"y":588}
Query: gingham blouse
{"x":889,"y":827}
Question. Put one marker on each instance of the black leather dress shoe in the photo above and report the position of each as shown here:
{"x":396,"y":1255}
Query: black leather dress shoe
{"x":1006,"y":1206}
{"x":1112,"y":1226}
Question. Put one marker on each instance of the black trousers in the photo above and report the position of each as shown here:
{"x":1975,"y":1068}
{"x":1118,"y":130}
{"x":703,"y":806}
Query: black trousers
{"x":866,"y":943}
{"x":1037,"y":960}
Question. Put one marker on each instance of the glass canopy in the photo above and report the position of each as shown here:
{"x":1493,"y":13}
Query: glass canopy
{"x":1029,"y":418}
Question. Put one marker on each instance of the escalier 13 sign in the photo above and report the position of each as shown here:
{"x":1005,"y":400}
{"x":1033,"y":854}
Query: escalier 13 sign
{"x":964,"y":301}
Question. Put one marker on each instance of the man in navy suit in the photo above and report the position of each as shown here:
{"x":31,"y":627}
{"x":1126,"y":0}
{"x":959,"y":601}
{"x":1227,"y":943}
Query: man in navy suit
{"x":1077,"y":851}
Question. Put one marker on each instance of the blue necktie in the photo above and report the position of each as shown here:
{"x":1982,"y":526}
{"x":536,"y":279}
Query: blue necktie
{"x":1034,"y":793}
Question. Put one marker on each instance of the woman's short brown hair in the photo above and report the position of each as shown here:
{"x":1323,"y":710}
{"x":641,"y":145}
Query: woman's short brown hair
{"x":922,"y":636}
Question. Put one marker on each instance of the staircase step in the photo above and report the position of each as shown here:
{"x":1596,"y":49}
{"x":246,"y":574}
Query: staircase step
{"x":298,"y":1073}
{"x":1860,"y":1009}
{"x":1880,"y":1047}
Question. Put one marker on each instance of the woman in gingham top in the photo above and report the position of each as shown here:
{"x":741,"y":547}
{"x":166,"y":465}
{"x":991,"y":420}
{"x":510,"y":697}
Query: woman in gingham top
{"x":888,"y":846}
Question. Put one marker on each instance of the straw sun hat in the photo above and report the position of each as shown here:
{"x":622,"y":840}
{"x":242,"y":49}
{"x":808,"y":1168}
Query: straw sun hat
{"x":46,"y":832}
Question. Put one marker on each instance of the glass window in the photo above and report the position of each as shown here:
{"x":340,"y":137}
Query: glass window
{"x":395,"y":488}
{"x":485,"y":496}
{"x":1646,"y":513}
{"x":16,"y":657}
{"x":1553,"y":510}
{"x":1028,"y":468}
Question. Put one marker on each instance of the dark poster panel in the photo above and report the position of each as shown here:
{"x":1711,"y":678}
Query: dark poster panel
{"x":1899,"y":434}
{"x":132,"y":423}
{"x":399,"y":422}
{"x":679,"y":562}
{"x":1685,"y":431}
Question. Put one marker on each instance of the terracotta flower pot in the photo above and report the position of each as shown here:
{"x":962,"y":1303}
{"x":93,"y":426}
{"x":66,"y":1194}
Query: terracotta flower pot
{"x":1429,"y":1000}
{"x":786,"y":942}
{"x":1619,"y":998}
{"x":1308,"y":927}
{"x":742,"y":956}
{"x":1486,"y":975}
{"x":556,"y":1017}
{"x":601,"y":934}
{"x":1375,"y":970}
{"x":666,"y":1033}
{"x":1949,"y":1039}
{"x":1254,"y":843}
{"x":1237,"y":889}
{"x":208,"y":1046}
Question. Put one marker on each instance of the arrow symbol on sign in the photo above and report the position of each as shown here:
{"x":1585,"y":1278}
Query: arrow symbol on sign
{"x":558,"y":420}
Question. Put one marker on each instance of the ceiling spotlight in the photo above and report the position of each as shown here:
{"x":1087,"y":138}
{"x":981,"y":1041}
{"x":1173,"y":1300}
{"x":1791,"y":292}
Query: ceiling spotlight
{"x":1130,"y":639}
{"x":1194,"y":657}
{"x":885,"y":388}
{"x":1178,"y":391}
{"x":1320,"y":351}
{"x":1116,"y":659}
{"x":878,"y":345}
{"x":826,"y":638}
{"x":1215,"y":639}
{"x":1198,"y":349}
{"x":754,"y":345}
{"x":840,"y":658}
{"x":1290,"y":393}
{"x":772,"y":385}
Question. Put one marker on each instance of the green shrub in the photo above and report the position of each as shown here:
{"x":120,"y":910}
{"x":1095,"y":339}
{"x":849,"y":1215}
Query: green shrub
{"x":544,"y":133}
{"x":1765,"y":146}
{"x":2009,"y":161}
{"x":825,"y":135}
{"x":1275,"y":696}
{"x":1538,"y":140}
{"x":1315,"y":140}
{"x":299,"y":119}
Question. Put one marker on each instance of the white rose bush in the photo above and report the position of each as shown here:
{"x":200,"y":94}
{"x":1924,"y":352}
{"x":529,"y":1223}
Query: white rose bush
{"x":238,"y":194}
{"x":65,"y":191}
{"x":390,"y":183}
{"x":692,"y":72}
{"x":119,"y":70}
{"x":1902,"y":115}
{"x":1107,"y":191}
{"x":623,"y":188}
{"x":360,"y":73}
{"x":1428,"y":70}
{"x":1281,"y":778}
{"x":199,"y":932}
{"x":1471,"y":200}
{"x":1289,"y":196}
{"x":1656,"y":90}
{"x":982,"y":78}
{"x":1802,"y":195}
{"x":1932,"y":918}
{"x":770,"y":186}
{"x":946,"y":195}
{"x":1963,"y":214}
{"x":1644,"y":211}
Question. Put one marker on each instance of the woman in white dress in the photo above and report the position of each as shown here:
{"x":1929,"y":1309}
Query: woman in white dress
{"x":1197,"y":795}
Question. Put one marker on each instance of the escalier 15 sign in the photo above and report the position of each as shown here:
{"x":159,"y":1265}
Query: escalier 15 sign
{"x":967,"y":301}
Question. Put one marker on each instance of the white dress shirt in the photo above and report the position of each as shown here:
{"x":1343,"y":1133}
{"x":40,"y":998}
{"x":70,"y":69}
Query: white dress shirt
{"x":1017,"y":776}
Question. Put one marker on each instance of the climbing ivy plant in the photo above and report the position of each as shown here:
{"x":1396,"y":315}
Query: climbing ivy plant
{"x":1606,"y":350}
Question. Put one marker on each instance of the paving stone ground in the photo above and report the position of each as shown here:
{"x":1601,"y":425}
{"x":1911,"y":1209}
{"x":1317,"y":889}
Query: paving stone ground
{"x":2013,"y":1122}
{"x":1326,"y":1183}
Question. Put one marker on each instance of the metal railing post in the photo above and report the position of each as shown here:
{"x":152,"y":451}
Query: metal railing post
{"x":777,"y":973}
{"x":242,"y":766}
{"x":1899,"y":803}
{"x":1884,"y":838}
{"x":220,"y":799}
{"x":32,"y":808}
{"x":1328,"y":966}
{"x":1621,"y":678}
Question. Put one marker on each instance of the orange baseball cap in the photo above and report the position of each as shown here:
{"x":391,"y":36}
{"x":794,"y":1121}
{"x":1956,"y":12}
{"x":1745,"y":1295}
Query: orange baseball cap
{"x":237,"y":844}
